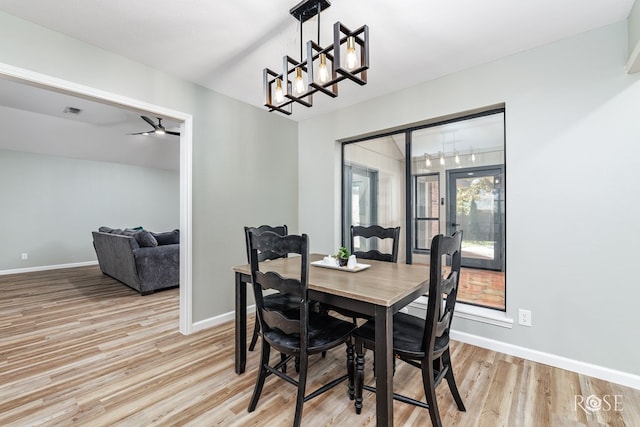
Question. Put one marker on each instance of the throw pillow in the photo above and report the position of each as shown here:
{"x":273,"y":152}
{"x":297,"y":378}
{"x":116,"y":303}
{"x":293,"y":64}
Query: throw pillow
{"x":146,"y":239}
{"x":168,"y":237}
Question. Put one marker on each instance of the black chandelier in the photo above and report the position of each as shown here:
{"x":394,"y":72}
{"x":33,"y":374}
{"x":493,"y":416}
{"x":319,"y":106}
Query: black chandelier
{"x":346,"y":58}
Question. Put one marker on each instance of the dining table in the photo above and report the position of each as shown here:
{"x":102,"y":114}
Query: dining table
{"x":376,"y":289}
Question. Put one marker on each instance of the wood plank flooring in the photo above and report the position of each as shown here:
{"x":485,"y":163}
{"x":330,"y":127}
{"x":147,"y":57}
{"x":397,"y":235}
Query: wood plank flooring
{"x":78,"y":348}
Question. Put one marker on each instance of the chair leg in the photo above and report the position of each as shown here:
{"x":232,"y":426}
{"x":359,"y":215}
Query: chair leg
{"x":428,"y":382}
{"x":350,"y":370}
{"x":302,"y":383}
{"x":256,"y":333}
{"x":446,"y":358}
{"x":262,"y":375}
{"x":359,"y":376}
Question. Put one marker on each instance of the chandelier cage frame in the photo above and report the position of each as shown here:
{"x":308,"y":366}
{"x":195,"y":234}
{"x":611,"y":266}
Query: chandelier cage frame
{"x":308,"y":69}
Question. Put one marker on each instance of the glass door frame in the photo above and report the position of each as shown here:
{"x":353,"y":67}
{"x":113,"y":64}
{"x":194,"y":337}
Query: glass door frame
{"x":497,"y":263}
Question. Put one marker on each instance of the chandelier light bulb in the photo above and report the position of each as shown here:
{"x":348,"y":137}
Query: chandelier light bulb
{"x":352,"y":58}
{"x":428,"y":161}
{"x":300,"y":89}
{"x":323,"y":71}
{"x":279,"y":91}
{"x":442,"y":159}
{"x":457,"y":159}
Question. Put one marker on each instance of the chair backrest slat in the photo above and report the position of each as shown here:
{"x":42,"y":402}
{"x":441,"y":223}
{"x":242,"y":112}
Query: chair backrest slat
{"x":374,"y":232}
{"x":272,"y":280}
{"x":277,"y":319}
{"x":280,"y":230}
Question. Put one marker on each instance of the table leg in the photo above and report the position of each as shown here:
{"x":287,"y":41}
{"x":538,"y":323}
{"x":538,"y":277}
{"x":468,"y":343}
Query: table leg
{"x":241,"y":324}
{"x":384,"y":366}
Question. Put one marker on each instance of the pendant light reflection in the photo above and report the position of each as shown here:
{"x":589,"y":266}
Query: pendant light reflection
{"x":428,"y":161}
{"x":457,"y":158}
{"x":442,"y":159}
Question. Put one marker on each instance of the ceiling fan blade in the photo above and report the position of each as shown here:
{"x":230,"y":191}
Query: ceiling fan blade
{"x":172,"y":133}
{"x":148,"y":120}
{"x":140,"y":133}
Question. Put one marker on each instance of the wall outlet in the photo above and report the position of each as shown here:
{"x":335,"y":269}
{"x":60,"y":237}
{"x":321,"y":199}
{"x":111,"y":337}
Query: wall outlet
{"x":25,"y":256}
{"x":524,"y":317}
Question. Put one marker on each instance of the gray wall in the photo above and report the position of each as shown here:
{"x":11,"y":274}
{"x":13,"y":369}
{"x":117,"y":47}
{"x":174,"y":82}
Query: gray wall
{"x":243,"y":156}
{"x":572,"y":133}
{"x":51,"y":204}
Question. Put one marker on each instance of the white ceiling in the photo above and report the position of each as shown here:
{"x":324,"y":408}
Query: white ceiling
{"x":225,"y":45}
{"x":33,"y":119}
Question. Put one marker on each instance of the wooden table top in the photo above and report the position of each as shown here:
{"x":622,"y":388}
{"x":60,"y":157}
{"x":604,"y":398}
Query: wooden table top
{"x":384,"y":283}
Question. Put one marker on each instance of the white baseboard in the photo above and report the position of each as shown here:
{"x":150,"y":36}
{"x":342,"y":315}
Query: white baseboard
{"x":217,"y":320}
{"x":600,"y":372}
{"x":595,"y":371}
{"x":47,"y":267}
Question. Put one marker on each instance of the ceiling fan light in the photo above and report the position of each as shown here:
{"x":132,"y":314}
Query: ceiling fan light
{"x":160,"y":131}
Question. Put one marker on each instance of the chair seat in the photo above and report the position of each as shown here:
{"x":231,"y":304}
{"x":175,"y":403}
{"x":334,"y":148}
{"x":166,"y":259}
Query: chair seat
{"x":407,"y":335}
{"x":325,"y":332}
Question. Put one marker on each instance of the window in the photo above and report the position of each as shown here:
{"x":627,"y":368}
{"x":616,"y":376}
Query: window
{"x":436,"y":178}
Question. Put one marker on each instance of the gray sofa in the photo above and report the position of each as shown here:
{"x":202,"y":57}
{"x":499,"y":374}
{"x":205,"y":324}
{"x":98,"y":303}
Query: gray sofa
{"x":141,"y":259}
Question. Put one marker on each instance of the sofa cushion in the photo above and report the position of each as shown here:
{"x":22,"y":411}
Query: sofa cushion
{"x":145,"y":239}
{"x":168,"y":237}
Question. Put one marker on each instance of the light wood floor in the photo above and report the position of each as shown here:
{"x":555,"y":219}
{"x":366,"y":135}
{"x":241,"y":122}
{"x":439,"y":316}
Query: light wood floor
{"x":78,"y":348}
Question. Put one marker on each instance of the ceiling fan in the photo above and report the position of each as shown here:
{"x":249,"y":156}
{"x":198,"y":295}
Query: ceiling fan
{"x":157,"y":128}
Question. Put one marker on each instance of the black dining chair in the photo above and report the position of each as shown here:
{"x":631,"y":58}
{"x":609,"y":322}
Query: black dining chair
{"x":423,"y":343}
{"x":275,"y":300}
{"x":375,"y":236}
{"x":296,"y":333}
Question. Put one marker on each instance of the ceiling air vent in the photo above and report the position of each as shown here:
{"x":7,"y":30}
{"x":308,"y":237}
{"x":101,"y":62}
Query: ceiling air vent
{"x":72,"y":110}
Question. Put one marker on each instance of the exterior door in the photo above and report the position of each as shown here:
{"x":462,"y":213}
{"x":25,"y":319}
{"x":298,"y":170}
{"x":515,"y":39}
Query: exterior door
{"x":476,"y":206}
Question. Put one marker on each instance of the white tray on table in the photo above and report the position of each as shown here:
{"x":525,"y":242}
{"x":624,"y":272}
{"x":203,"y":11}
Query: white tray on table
{"x":358,"y":267}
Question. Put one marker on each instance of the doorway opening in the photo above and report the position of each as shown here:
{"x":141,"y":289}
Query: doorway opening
{"x":49,"y":83}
